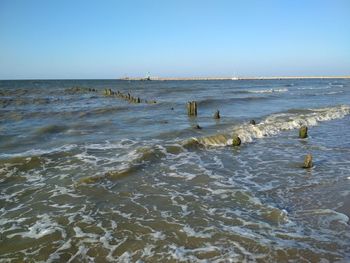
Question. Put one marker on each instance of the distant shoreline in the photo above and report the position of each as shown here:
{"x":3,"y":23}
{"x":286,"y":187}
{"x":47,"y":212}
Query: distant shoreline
{"x":233,"y":78}
{"x":188,"y":78}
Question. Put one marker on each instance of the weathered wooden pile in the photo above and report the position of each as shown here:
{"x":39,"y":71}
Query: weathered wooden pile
{"x":217,"y":115}
{"x":192,"y":108}
{"x":303,"y":132}
{"x":308,"y":161}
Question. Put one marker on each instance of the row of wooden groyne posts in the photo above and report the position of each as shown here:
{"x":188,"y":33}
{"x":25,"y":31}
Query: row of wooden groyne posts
{"x":236,"y":141}
{"x":109,"y":92}
{"x":192,"y":109}
{"x":127,"y":96}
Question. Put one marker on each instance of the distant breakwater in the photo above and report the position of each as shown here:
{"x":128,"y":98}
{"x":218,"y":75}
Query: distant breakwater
{"x":232,"y":78}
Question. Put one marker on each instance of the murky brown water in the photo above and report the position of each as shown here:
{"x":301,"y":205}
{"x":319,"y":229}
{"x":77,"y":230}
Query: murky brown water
{"x":90,"y":178}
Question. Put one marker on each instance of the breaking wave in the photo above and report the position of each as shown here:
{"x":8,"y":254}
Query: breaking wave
{"x":263,"y":91}
{"x":275,"y":124}
{"x":270,"y":126}
{"x":269,"y":90}
{"x":135,"y":161}
{"x":208,"y":102}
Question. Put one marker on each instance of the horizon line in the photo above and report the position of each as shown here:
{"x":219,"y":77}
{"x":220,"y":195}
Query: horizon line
{"x":237,"y":78}
{"x":154,"y":78}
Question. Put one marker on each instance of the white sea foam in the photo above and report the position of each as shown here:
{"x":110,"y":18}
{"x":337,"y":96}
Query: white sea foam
{"x":186,"y":176}
{"x":182,"y":254}
{"x":147,"y":251}
{"x":314,"y":88}
{"x":281,"y":122}
{"x":269,"y":90}
{"x":330,"y":215}
{"x":54,"y":257}
{"x":276,"y":123}
{"x":122,"y":158}
{"x":82,"y":250}
{"x":333,"y":92}
{"x":190,"y":232}
{"x":125,"y":257}
{"x":59,"y":190}
{"x":158,"y":235}
{"x":182,"y":164}
{"x":122,"y":144}
{"x":36,"y":152}
{"x":44,"y":226}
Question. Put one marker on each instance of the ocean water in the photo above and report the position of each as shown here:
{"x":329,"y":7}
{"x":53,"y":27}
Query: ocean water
{"x":86,"y":177}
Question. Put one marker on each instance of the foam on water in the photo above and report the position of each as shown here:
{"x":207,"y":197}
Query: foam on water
{"x":127,"y":162}
{"x":330,"y":216}
{"x":190,"y":232}
{"x":167,"y":200}
{"x":280,"y":90}
{"x":314,"y":87}
{"x":44,"y":226}
{"x":38,"y":152}
{"x":276,"y":123}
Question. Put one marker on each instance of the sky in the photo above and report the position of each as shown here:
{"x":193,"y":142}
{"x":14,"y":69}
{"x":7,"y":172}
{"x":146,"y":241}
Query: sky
{"x":73,"y":39}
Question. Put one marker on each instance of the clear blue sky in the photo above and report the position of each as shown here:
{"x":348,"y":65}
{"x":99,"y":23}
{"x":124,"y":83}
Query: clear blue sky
{"x":110,"y":39}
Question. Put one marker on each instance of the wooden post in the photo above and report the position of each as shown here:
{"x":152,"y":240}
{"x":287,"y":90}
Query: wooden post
{"x":217,"y":115}
{"x":308,"y":161}
{"x":236,"y":141}
{"x":189,"y":108}
{"x":303,"y":132}
{"x":192,"y":108}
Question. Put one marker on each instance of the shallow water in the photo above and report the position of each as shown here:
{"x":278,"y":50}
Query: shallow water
{"x":93,"y":178}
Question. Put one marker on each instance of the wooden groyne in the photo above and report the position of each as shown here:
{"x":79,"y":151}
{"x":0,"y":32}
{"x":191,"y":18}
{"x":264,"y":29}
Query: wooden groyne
{"x":110,"y":93}
{"x":192,"y":110}
{"x":79,"y":89}
{"x":232,"y":78}
{"x":127,"y":97}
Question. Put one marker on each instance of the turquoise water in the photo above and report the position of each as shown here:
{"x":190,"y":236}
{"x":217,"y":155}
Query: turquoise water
{"x":86,"y":177}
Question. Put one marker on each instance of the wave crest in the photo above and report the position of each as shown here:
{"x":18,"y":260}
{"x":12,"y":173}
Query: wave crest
{"x":276,"y":123}
{"x":269,"y":90}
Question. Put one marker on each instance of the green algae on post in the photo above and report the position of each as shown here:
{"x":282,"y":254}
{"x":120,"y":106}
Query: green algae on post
{"x":236,"y":141}
{"x":308,"y":161}
{"x":192,"y":108}
{"x":303,"y":132}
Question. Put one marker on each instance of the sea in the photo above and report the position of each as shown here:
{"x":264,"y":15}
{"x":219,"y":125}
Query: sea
{"x":89,"y":175}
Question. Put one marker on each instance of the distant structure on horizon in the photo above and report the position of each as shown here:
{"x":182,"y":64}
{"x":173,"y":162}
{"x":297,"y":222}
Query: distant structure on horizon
{"x":149,"y":78}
